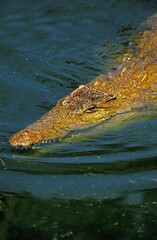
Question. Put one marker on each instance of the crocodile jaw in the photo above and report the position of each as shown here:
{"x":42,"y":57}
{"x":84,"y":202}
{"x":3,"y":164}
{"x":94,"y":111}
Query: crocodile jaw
{"x":38,"y":132}
{"x":28,"y":137}
{"x":25,"y":138}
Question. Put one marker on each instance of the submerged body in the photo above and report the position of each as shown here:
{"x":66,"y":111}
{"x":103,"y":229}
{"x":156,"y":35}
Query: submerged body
{"x":132,"y":86}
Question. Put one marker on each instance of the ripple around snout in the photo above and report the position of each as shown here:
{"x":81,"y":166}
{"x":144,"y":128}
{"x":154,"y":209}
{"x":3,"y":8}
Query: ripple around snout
{"x":129,"y":143}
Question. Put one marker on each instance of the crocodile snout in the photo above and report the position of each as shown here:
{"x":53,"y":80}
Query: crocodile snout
{"x":25,"y":138}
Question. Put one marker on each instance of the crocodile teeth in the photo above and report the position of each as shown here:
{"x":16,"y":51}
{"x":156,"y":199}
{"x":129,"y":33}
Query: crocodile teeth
{"x":47,"y":141}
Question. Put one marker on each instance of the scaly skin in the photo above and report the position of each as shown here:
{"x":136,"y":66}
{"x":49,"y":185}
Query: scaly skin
{"x":132,"y":85}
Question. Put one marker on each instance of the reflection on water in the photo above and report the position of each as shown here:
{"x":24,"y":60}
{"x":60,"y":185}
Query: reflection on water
{"x":26,"y":217}
{"x":94,"y":184}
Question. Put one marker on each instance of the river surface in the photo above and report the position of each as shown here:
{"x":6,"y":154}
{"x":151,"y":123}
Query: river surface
{"x":90,"y":185}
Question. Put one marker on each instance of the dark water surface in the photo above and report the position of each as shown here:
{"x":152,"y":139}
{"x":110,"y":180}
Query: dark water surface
{"x":92,"y":185}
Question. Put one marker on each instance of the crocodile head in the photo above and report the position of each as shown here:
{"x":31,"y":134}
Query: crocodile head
{"x":82,"y":108}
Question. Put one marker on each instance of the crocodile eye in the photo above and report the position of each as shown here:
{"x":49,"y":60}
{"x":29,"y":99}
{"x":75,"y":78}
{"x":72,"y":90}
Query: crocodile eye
{"x":91,"y":109}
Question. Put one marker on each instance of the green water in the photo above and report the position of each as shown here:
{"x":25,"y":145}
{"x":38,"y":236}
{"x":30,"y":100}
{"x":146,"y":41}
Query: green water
{"x":91,"y":185}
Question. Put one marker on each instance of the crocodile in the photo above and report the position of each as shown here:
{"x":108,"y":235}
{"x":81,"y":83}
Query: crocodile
{"x":133,"y":85}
